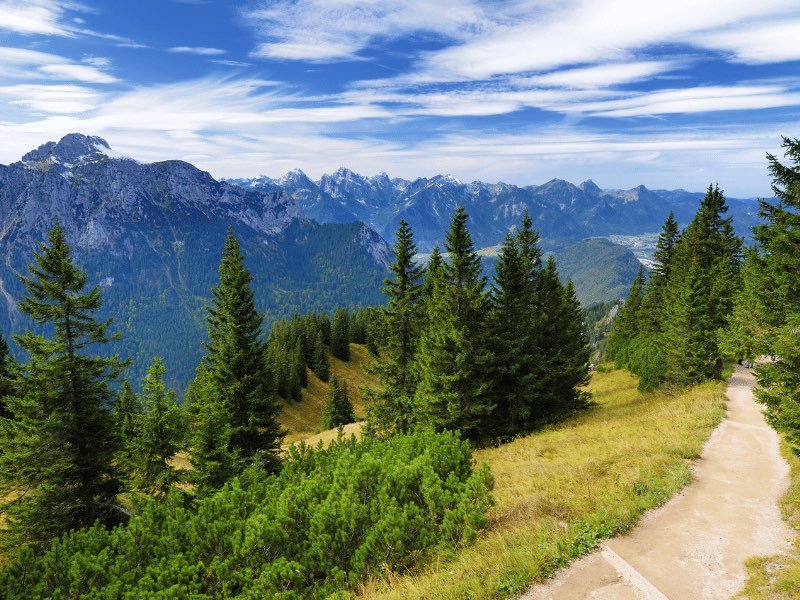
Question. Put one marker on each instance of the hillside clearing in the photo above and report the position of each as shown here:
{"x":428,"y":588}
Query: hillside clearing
{"x":562,"y":490}
{"x":303,"y":419}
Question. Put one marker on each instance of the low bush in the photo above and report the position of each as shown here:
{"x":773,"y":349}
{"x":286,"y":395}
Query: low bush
{"x":328,"y":519}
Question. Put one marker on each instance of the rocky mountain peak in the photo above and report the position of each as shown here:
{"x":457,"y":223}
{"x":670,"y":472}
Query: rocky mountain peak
{"x":73,"y":148}
{"x":590,"y":187}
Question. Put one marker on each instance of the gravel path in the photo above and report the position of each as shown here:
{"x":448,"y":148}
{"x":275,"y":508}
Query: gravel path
{"x":694,"y":547}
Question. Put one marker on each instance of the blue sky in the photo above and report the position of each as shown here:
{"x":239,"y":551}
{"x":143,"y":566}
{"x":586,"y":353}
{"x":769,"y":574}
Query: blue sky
{"x":674,"y":94}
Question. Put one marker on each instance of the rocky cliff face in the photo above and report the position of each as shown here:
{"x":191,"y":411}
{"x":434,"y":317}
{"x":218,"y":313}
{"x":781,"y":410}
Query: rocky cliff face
{"x":152,"y":235}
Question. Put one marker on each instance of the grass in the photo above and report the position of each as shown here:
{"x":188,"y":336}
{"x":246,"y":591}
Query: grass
{"x":775,"y":577}
{"x":302,"y":419}
{"x":560,"y":491}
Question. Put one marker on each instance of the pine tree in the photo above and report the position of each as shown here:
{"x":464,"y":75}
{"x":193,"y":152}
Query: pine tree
{"x":627,"y":325}
{"x":454,"y":360}
{"x":771,"y":302}
{"x":56,"y":458}
{"x":7,"y":365}
{"x":434,"y":270}
{"x":704,"y":276}
{"x":337,"y":410}
{"x":340,"y":335}
{"x":652,"y":309}
{"x":402,"y":317}
{"x":158,"y":434}
{"x":514,"y":340}
{"x":320,"y":359}
{"x":236,"y":365}
{"x":213,"y":459}
{"x":127,"y":410}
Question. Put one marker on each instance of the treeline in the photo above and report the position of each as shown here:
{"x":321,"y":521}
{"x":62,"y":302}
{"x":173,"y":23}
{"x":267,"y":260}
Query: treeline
{"x":766,"y":314}
{"x":490,"y":360}
{"x":669,"y":331}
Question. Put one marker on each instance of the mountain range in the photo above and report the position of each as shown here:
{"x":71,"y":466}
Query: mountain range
{"x":151,"y":235}
{"x":563,"y":212}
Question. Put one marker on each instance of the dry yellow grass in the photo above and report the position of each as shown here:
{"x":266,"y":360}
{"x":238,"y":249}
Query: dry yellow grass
{"x":562,"y":489}
{"x":302,"y":419}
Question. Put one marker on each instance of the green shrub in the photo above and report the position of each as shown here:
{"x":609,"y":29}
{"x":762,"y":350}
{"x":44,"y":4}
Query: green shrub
{"x":329,"y":518}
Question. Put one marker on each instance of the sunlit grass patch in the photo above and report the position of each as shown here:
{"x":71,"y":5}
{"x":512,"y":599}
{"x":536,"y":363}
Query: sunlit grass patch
{"x":562,"y":490}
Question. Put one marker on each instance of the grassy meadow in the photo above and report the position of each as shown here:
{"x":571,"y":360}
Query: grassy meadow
{"x":560,"y":491}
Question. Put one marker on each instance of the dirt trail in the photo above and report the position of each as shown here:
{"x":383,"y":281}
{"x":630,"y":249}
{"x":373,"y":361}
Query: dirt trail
{"x":694,"y":547}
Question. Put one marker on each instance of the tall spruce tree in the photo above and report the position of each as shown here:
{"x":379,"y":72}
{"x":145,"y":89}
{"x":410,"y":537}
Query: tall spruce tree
{"x":652,"y":309}
{"x":237,"y":367}
{"x":337,"y":409}
{"x":7,"y":364}
{"x":627,"y":325}
{"x":392,"y":408}
{"x":57,"y":450}
{"x":704,"y":279}
{"x":340,"y":334}
{"x":127,"y":410}
{"x":771,"y":300}
{"x":454,"y":358}
{"x":514,"y":340}
{"x":320,"y":359}
{"x":158,"y":434}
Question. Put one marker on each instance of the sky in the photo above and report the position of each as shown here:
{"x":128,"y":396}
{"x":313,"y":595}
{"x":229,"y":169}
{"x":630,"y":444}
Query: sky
{"x":674,"y":94}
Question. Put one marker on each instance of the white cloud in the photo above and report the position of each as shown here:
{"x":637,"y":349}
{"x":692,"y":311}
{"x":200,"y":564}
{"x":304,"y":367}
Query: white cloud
{"x":42,"y":17}
{"x":762,"y":43}
{"x":199,"y":50}
{"x":72,"y":72}
{"x":326,"y":30}
{"x":231,"y":63}
{"x":603,"y":75}
{"x":56,"y":99}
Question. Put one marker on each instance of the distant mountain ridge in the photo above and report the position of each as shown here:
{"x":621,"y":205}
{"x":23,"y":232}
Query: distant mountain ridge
{"x":563,"y":212}
{"x":152,"y":234}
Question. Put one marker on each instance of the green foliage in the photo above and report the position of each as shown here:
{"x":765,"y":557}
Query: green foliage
{"x":7,"y":364}
{"x":767,"y":315}
{"x":454,"y":359}
{"x":326,"y":521}
{"x":627,"y":325}
{"x":340,"y":334}
{"x":392,"y":408}
{"x":158,"y":434}
{"x":57,"y":449}
{"x":320,"y":359}
{"x":237,"y":369}
{"x":337,"y":410}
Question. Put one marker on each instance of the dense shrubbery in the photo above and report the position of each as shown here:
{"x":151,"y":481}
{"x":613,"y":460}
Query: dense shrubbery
{"x":325,"y":521}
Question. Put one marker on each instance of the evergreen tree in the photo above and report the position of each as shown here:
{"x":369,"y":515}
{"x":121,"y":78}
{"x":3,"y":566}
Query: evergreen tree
{"x":652,"y":309}
{"x":7,"y":365}
{"x":340,"y":335}
{"x":299,"y":362}
{"x":771,"y":300}
{"x":320,"y":359}
{"x":158,"y":436}
{"x":704,"y":276}
{"x":213,"y":459}
{"x":56,"y":452}
{"x":236,"y":365}
{"x":513,"y":330}
{"x":127,"y":410}
{"x":337,"y":410}
{"x":392,"y":408}
{"x":454,"y":359}
{"x":627,"y":324}
{"x":433,"y":272}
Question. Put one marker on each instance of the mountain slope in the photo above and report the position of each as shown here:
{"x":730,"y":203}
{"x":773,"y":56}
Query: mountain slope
{"x":152,"y":234}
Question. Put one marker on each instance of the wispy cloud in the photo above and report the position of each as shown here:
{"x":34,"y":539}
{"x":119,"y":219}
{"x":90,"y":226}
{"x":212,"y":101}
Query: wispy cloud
{"x":42,"y":17}
{"x":321,"y":30}
{"x":19,"y":63}
{"x":199,"y":50}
